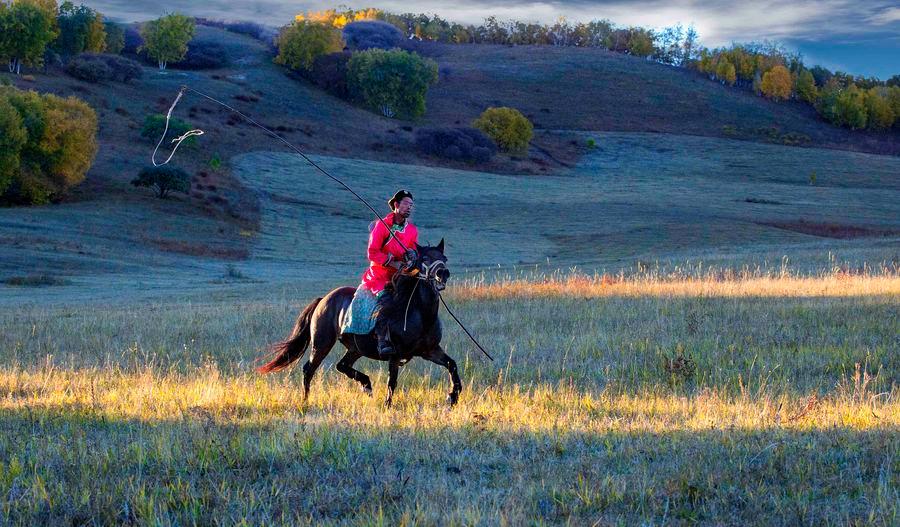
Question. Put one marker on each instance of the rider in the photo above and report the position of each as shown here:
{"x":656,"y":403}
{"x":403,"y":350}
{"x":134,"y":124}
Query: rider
{"x":387,"y":256}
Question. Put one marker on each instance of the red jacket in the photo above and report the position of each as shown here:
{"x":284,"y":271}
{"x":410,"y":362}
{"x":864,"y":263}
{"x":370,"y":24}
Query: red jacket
{"x":378,"y":275}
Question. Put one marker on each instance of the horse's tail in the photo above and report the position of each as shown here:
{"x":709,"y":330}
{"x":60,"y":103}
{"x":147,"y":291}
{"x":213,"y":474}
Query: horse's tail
{"x":285,"y":353}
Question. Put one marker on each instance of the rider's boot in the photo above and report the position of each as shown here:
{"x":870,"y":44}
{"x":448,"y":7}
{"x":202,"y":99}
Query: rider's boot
{"x":385,"y":348}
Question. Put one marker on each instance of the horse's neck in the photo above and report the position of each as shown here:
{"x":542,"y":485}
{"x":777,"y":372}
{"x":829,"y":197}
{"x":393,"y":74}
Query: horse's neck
{"x":425,"y":300}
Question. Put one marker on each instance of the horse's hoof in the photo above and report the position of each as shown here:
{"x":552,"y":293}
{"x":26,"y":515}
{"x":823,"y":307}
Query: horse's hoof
{"x":367,"y":390}
{"x":388,"y":403}
{"x":452,"y":399}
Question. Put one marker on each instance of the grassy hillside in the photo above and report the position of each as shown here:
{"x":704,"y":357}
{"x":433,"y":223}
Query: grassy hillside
{"x":595,"y":89}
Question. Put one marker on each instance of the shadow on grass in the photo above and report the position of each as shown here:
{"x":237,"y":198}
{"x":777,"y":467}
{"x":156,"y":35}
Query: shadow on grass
{"x":68,"y":465}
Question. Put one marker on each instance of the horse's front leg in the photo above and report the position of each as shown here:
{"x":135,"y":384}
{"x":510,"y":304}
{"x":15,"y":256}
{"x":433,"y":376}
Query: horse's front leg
{"x":393,"y":372}
{"x":438,"y":356}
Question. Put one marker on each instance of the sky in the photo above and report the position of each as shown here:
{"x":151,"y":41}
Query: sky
{"x":858,"y":37}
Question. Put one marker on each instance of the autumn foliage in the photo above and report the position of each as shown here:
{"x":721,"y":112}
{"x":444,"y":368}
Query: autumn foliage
{"x":48,"y":145}
{"x":511,"y":130}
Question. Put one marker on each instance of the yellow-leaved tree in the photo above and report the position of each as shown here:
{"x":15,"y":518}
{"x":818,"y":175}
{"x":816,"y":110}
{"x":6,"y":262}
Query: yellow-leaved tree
{"x":777,"y":83}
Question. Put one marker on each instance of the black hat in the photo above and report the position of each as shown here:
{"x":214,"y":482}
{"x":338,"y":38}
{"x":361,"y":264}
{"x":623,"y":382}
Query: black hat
{"x":402,"y":193}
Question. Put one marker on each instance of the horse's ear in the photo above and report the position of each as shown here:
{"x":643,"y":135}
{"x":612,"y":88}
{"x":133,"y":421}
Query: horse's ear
{"x":440,"y":246}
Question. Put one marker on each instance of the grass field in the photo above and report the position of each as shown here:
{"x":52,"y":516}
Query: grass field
{"x":768,"y":398}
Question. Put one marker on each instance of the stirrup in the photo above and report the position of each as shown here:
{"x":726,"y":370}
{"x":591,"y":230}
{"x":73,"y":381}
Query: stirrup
{"x":385,"y":348}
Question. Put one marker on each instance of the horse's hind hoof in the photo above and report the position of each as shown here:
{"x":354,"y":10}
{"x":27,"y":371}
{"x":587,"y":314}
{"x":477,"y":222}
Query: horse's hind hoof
{"x":452,"y":399}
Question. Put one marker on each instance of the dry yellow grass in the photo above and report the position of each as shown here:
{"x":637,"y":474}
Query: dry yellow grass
{"x":838,"y":284}
{"x":718,"y":400}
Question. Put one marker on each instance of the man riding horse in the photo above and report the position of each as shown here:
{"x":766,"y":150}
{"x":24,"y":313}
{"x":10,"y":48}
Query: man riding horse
{"x":386,"y":257}
{"x":399,"y":295}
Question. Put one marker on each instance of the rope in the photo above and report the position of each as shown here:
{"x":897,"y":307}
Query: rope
{"x":197,"y":132}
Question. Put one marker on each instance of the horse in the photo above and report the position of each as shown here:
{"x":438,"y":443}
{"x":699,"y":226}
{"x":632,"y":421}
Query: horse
{"x":412,"y":315}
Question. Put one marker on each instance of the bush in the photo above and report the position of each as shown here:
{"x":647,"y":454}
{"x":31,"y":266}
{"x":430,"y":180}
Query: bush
{"x":329,"y":72}
{"x":301,"y":42}
{"x":94,"y":67}
{"x":372,"y":34}
{"x":155,"y":125}
{"x":460,"y":144}
{"x":89,"y":68}
{"x":59,"y":147}
{"x":511,"y":130}
{"x":393,"y":83}
{"x":204,"y":55}
{"x":166,"y":38}
{"x":163,"y":180}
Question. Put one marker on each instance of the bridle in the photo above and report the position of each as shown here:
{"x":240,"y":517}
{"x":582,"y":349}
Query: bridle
{"x":431,"y":277}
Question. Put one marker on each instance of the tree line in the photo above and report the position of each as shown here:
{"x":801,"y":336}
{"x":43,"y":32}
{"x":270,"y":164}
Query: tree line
{"x":767,"y":69}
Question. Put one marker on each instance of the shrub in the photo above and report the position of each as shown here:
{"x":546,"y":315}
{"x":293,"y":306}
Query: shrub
{"x":80,"y":29}
{"x":461,"y":144}
{"x":166,"y":38}
{"x":95,"y":67}
{"x":329,"y":72}
{"x":155,"y":125}
{"x":393,"y":83}
{"x":204,"y":55}
{"x":90,"y":68}
{"x":369,"y":34}
{"x":163,"y":180}
{"x":511,"y":130}
{"x":301,"y":42}
{"x":115,"y":37}
{"x":60,"y":144}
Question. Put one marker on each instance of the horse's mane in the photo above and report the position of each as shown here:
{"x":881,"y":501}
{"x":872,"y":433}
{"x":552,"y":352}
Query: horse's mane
{"x":394,"y":307}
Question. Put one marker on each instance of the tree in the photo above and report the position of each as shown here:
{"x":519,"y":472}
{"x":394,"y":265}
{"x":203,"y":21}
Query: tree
{"x":13,"y":137}
{"x":880,"y":115}
{"x":776,"y":83}
{"x":843,"y":106}
{"x":59,"y":148}
{"x":301,"y":42}
{"x":725,"y":72}
{"x":806,"y":87}
{"x":163,"y":179}
{"x":25,"y":31}
{"x":393,"y":83}
{"x":115,"y":38}
{"x":80,"y":29}
{"x":166,"y":38}
{"x":511,"y":130}
{"x":640,"y":42}
{"x":893,"y":97}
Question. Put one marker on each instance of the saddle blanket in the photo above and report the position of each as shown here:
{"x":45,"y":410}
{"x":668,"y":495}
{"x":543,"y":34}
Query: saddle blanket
{"x":361,"y":317}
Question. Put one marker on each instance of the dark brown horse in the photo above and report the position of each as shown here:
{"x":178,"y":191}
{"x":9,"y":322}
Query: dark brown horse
{"x":412,"y":316}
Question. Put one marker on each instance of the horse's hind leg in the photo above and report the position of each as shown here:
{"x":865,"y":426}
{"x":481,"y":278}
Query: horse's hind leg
{"x":438,"y":356}
{"x":323,"y":339}
{"x":345,"y":366}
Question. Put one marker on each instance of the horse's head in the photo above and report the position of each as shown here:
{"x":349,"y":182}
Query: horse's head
{"x":432,"y":265}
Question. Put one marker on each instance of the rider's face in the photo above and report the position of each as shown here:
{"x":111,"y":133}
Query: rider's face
{"x":404,"y":207}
